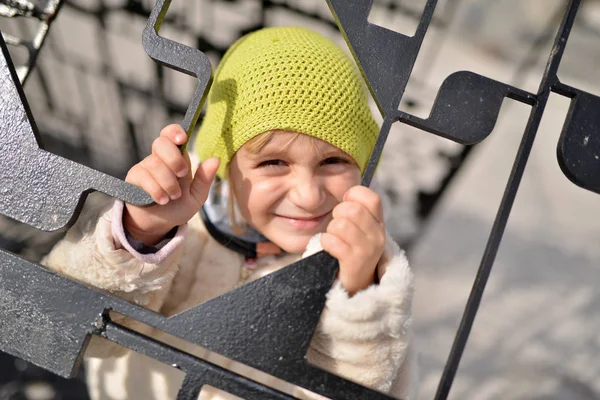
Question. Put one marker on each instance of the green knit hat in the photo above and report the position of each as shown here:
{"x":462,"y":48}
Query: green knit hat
{"x":286,"y":78}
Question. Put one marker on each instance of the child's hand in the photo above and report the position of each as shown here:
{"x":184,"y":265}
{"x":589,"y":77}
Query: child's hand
{"x":356,"y":237}
{"x":166,"y":176}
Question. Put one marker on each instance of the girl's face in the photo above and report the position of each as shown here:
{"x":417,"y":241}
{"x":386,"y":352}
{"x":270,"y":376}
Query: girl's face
{"x":288,"y":189}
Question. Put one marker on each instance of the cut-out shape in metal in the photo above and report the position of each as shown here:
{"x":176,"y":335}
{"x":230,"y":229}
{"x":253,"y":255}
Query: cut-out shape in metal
{"x":386,"y":57}
{"x":579,"y":144}
{"x":467,"y":105}
{"x":179,"y":57}
{"x":267,"y":324}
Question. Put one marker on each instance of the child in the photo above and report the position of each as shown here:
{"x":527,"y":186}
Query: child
{"x":288,"y":131}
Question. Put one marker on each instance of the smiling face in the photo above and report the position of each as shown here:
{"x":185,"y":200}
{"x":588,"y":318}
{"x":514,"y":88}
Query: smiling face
{"x":288,"y":187}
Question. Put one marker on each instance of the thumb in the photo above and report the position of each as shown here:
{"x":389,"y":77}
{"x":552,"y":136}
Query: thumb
{"x":205,"y":174}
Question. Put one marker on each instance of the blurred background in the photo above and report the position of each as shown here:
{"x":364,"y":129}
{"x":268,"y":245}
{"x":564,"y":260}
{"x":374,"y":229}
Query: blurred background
{"x":98,"y":99}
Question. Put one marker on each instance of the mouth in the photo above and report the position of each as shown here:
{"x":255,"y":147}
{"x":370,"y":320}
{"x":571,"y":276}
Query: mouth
{"x":304,"y":223}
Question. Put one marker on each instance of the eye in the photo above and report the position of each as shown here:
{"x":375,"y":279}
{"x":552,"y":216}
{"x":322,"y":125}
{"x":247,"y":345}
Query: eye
{"x":271,"y":163}
{"x":334,"y":160}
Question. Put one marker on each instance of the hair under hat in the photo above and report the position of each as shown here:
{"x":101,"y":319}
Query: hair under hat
{"x":286,"y":78}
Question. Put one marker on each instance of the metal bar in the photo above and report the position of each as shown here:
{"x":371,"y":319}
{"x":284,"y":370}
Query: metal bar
{"x":507,"y":202}
{"x":190,"y":390}
{"x":450,"y":10}
{"x":377,"y":151}
{"x":181,"y":58}
{"x":352,"y":21}
{"x":201,"y":372}
{"x":40,"y":188}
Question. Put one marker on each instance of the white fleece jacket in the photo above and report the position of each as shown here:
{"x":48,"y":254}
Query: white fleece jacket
{"x":365,"y":338}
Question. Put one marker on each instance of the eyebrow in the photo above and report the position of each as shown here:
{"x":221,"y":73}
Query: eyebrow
{"x":265,"y":154}
{"x":334,"y":153}
{"x":272,"y":150}
{"x":278,"y":153}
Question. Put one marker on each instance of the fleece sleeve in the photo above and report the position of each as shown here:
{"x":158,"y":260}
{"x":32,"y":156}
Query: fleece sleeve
{"x":366,"y":338}
{"x":95,"y":252}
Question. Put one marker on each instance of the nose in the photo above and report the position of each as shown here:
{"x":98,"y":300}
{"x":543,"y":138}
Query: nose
{"x":307,"y":192}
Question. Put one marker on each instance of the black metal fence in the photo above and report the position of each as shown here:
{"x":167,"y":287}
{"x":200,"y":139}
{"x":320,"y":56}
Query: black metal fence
{"x":465,"y":111}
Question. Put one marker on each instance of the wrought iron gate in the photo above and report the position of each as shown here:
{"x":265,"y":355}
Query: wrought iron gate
{"x":46,"y":191}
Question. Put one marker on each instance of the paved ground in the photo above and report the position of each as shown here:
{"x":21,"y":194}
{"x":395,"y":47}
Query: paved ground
{"x":535,"y":334}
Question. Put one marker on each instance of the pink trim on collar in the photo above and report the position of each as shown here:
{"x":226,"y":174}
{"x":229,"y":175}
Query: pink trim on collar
{"x":118,"y":232}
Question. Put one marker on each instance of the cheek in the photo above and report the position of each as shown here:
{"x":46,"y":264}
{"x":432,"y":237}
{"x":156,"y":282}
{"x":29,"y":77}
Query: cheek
{"x":259,"y":197}
{"x":338,"y":185}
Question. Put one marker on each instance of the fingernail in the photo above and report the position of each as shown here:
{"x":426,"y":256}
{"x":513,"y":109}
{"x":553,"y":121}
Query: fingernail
{"x":162,"y":200}
{"x":180,"y":138}
{"x":176,"y":196}
{"x":182,"y":172}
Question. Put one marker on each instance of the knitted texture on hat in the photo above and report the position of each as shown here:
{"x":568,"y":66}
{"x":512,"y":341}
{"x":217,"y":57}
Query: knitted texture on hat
{"x":286,"y":78}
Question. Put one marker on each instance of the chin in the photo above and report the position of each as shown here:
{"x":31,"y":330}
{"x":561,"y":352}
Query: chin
{"x":296,"y":246}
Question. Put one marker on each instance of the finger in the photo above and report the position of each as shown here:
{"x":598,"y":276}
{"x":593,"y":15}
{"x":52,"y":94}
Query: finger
{"x":335,"y":246}
{"x":170,"y":154}
{"x":175,"y":133}
{"x":349,"y":232}
{"x":368,"y":198}
{"x":354,"y":273}
{"x":205,"y":174}
{"x":186,"y":182}
{"x":139,"y":176}
{"x":358,"y":214}
{"x":162,"y":175}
